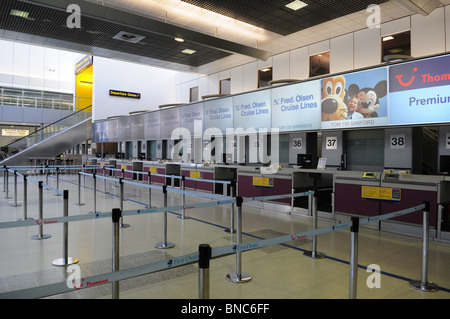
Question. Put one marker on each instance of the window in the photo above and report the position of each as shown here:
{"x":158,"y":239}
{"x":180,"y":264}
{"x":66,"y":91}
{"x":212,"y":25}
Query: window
{"x":193,"y":94}
{"x":319,"y":64}
{"x":396,"y":44}
{"x":225,"y":86}
{"x":264,"y":76}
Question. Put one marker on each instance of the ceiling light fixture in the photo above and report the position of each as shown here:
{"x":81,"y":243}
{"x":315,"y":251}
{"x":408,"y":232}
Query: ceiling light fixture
{"x":390,"y":37}
{"x":296,"y":5}
{"x":266,"y":70}
{"x":188,"y":51}
{"x":179,"y":39}
{"x":18,"y":13}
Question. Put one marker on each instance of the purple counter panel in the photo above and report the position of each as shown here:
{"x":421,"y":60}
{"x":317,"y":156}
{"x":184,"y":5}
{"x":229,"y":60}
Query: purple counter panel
{"x":159,"y":179}
{"x":119,"y":173}
{"x":411,"y":198}
{"x":246,"y":188}
{"x":347,"y":200}
{"x":206,"y":186}
{"x":145,"y":177}
{"x":188,"y":183}
{"x":129,"y":175}
{"x":281,"y":186}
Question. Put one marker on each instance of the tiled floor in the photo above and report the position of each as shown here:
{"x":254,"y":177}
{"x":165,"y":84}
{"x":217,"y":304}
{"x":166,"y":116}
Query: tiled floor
{"x":278,"y":272}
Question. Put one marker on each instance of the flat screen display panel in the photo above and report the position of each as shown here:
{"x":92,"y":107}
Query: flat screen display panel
{"x":419,"y":92}
{"x":296,"y":107}
{"x":355,"y":100}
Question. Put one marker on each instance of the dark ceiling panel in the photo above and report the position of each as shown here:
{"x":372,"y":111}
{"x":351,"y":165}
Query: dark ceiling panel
{"x":50,"y":23}
{"x":274,"y":16}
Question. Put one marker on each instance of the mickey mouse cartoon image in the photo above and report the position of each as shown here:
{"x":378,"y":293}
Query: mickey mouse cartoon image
{"x":368,"y":98}
{"x":333,"y":95}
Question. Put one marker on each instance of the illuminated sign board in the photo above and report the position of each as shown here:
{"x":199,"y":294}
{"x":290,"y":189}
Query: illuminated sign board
{"x":170,"y":120}
{"x":252,"y":110}
{"x":355,"y":100}
{"x":191,"y":117}
{"x":125,"y":94}
{"x":296,"y":107}
{"x":218,"y":113}
{"x":84,"y":63}
{"x":419,"y":92}
{"x":15,"y":132}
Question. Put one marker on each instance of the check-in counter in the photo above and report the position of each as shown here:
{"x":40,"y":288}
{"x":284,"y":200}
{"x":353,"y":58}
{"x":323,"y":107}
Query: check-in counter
{"x":210,"y":173}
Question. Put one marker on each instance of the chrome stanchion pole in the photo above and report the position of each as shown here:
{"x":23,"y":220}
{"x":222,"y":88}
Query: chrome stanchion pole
{"x":116,"y":215}
{"x":7,"y":185}
{"x":79,"y":191}
{"x":57,"y":181}
{"x":314,"y":253}
{"x":424,"y":284}
{"x":25,"y":199}
{"x":41,"y":210}
{"x":15,"y":204}
{"x":5,"y":170}
{"x":149,"y":191}
{"x":183,"y":198}
{"x":95,"y":194}
{"x":231,"y":230}
{"x":121,"y":183}
{"x":354,"y":258}
{"x":104,"y":181}
{"x":164,"y":244}
{"x":238,"y":276}
{"x":65,"y":260}
{"x":204,"y":256}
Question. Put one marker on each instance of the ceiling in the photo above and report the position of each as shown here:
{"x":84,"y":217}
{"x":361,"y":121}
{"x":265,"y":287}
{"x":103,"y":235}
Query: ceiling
{"x":224,"y":34}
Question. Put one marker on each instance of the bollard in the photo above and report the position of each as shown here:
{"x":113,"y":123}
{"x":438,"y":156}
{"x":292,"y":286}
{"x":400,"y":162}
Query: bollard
{"x":314,"y":253}
{"x":25,"y":199}
{"x":238,"y":276}
{"x":149,"y":191}
{"x":164,"y":244}
{"x":231,"y":230}
{"x":41,"y":209}
{"x":121,"y":183}
{"x":15,"y":204}
{"x":79,"y":191}
{"x":116,"y":215}
{"x":65,"y":260}
{"x":354,"y":258}
{"x":183,"y":198}
{"x":424,"y":284}
{"x":204,"y":256}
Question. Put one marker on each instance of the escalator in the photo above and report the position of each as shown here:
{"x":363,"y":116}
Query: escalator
{"x":50,"y":140}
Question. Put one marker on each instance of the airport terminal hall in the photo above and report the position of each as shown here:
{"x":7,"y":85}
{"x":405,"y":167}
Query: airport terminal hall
{"x":225,"y":158}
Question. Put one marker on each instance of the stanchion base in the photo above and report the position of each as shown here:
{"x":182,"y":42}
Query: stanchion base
{"x":79,"y":204}
{"x":230,"y":231}
{"x":235,"y":278}
{"x":164,"y":245}
{"x":58,"y":194}
{"x":427,"y":287}
{"x":7,"y":197}
{"x":96,"y":212}
{"x":15,"y":205}
{"x":24,"y":219}
{"x":60,"y":262}
{"x":39,"y":237}
{"x":316,"y":255}
{"x":124,"y":225}
{"x":183,"y":217}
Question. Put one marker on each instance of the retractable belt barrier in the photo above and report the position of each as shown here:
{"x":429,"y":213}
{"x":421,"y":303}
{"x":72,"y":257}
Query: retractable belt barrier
{"x":93,"y":281}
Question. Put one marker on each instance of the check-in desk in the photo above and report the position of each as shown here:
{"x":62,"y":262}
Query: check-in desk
{"x":207,"y":172}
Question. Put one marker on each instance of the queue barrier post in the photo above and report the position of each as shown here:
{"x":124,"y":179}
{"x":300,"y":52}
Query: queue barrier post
{"x":231,"y":230}
{"x":95,"y":194}
{"x":183,"y":198}
{"x":204,"y":257}
{"x":5,"y":171}
{"x":423,"y":284}
{"x":238,"y":276}
{"x":79,"y":190}
{"x":41,"y":235}
{"x":164,"y":244}
{"x":15,"y":204}
{"x":25,"y":199}
{"x":57,"y":181}
{"x":104,"y":181}
{"x":314,"y":254}
{"x":149,"y":191}
{"x":65,"y":260}
{"x":7,"y":184}
{"x":116,"y":215}
{"x":354,"y":258}
{"x":122,"y":186}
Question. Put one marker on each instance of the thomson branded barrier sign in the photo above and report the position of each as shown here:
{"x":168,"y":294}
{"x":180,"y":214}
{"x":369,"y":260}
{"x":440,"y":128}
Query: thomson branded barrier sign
{"x":355,"y":100}
{"x":296,"y":107}
{"x":252,"y":110}
{"x":419,"y":92}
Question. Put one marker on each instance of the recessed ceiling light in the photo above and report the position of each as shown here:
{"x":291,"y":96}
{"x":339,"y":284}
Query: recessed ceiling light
{"x":179,"y":39}
{"x":188,"y":51}
{"x":388,"y":38}
{"x":266,"y":70}
{"x":296,"y":5}
{"x":19,"y":13}
{"x":128,"y":37}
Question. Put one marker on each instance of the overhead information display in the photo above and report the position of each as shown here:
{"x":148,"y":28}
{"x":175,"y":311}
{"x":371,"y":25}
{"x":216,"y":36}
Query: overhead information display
{"x":152,"y":130}
{"x":218,"y":113}
{"x":252,"y":110}
{"x":191,"y":117}
{"x":296,"y":107}
{"x":170,"y":120}
{"x":419,"y":92}
{"x":355,"y":100}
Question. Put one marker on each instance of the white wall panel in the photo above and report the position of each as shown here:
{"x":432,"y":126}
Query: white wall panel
{"x":213,"y":83}
{"x":237,"y":80}
{"x":341,"y":53}
{"x":21,"y":59}
{"x":36,"y":65}
{"x":319,"y":47}
{"x":6,"y":57}
{"x":299,"y":63}
{"x":367,"y":48}
{"x":51,"y":64}
{"x":396,"y":26}
{"x":281,"y":66}
{"x":428,"y":33}
{"x":250,"y":77}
